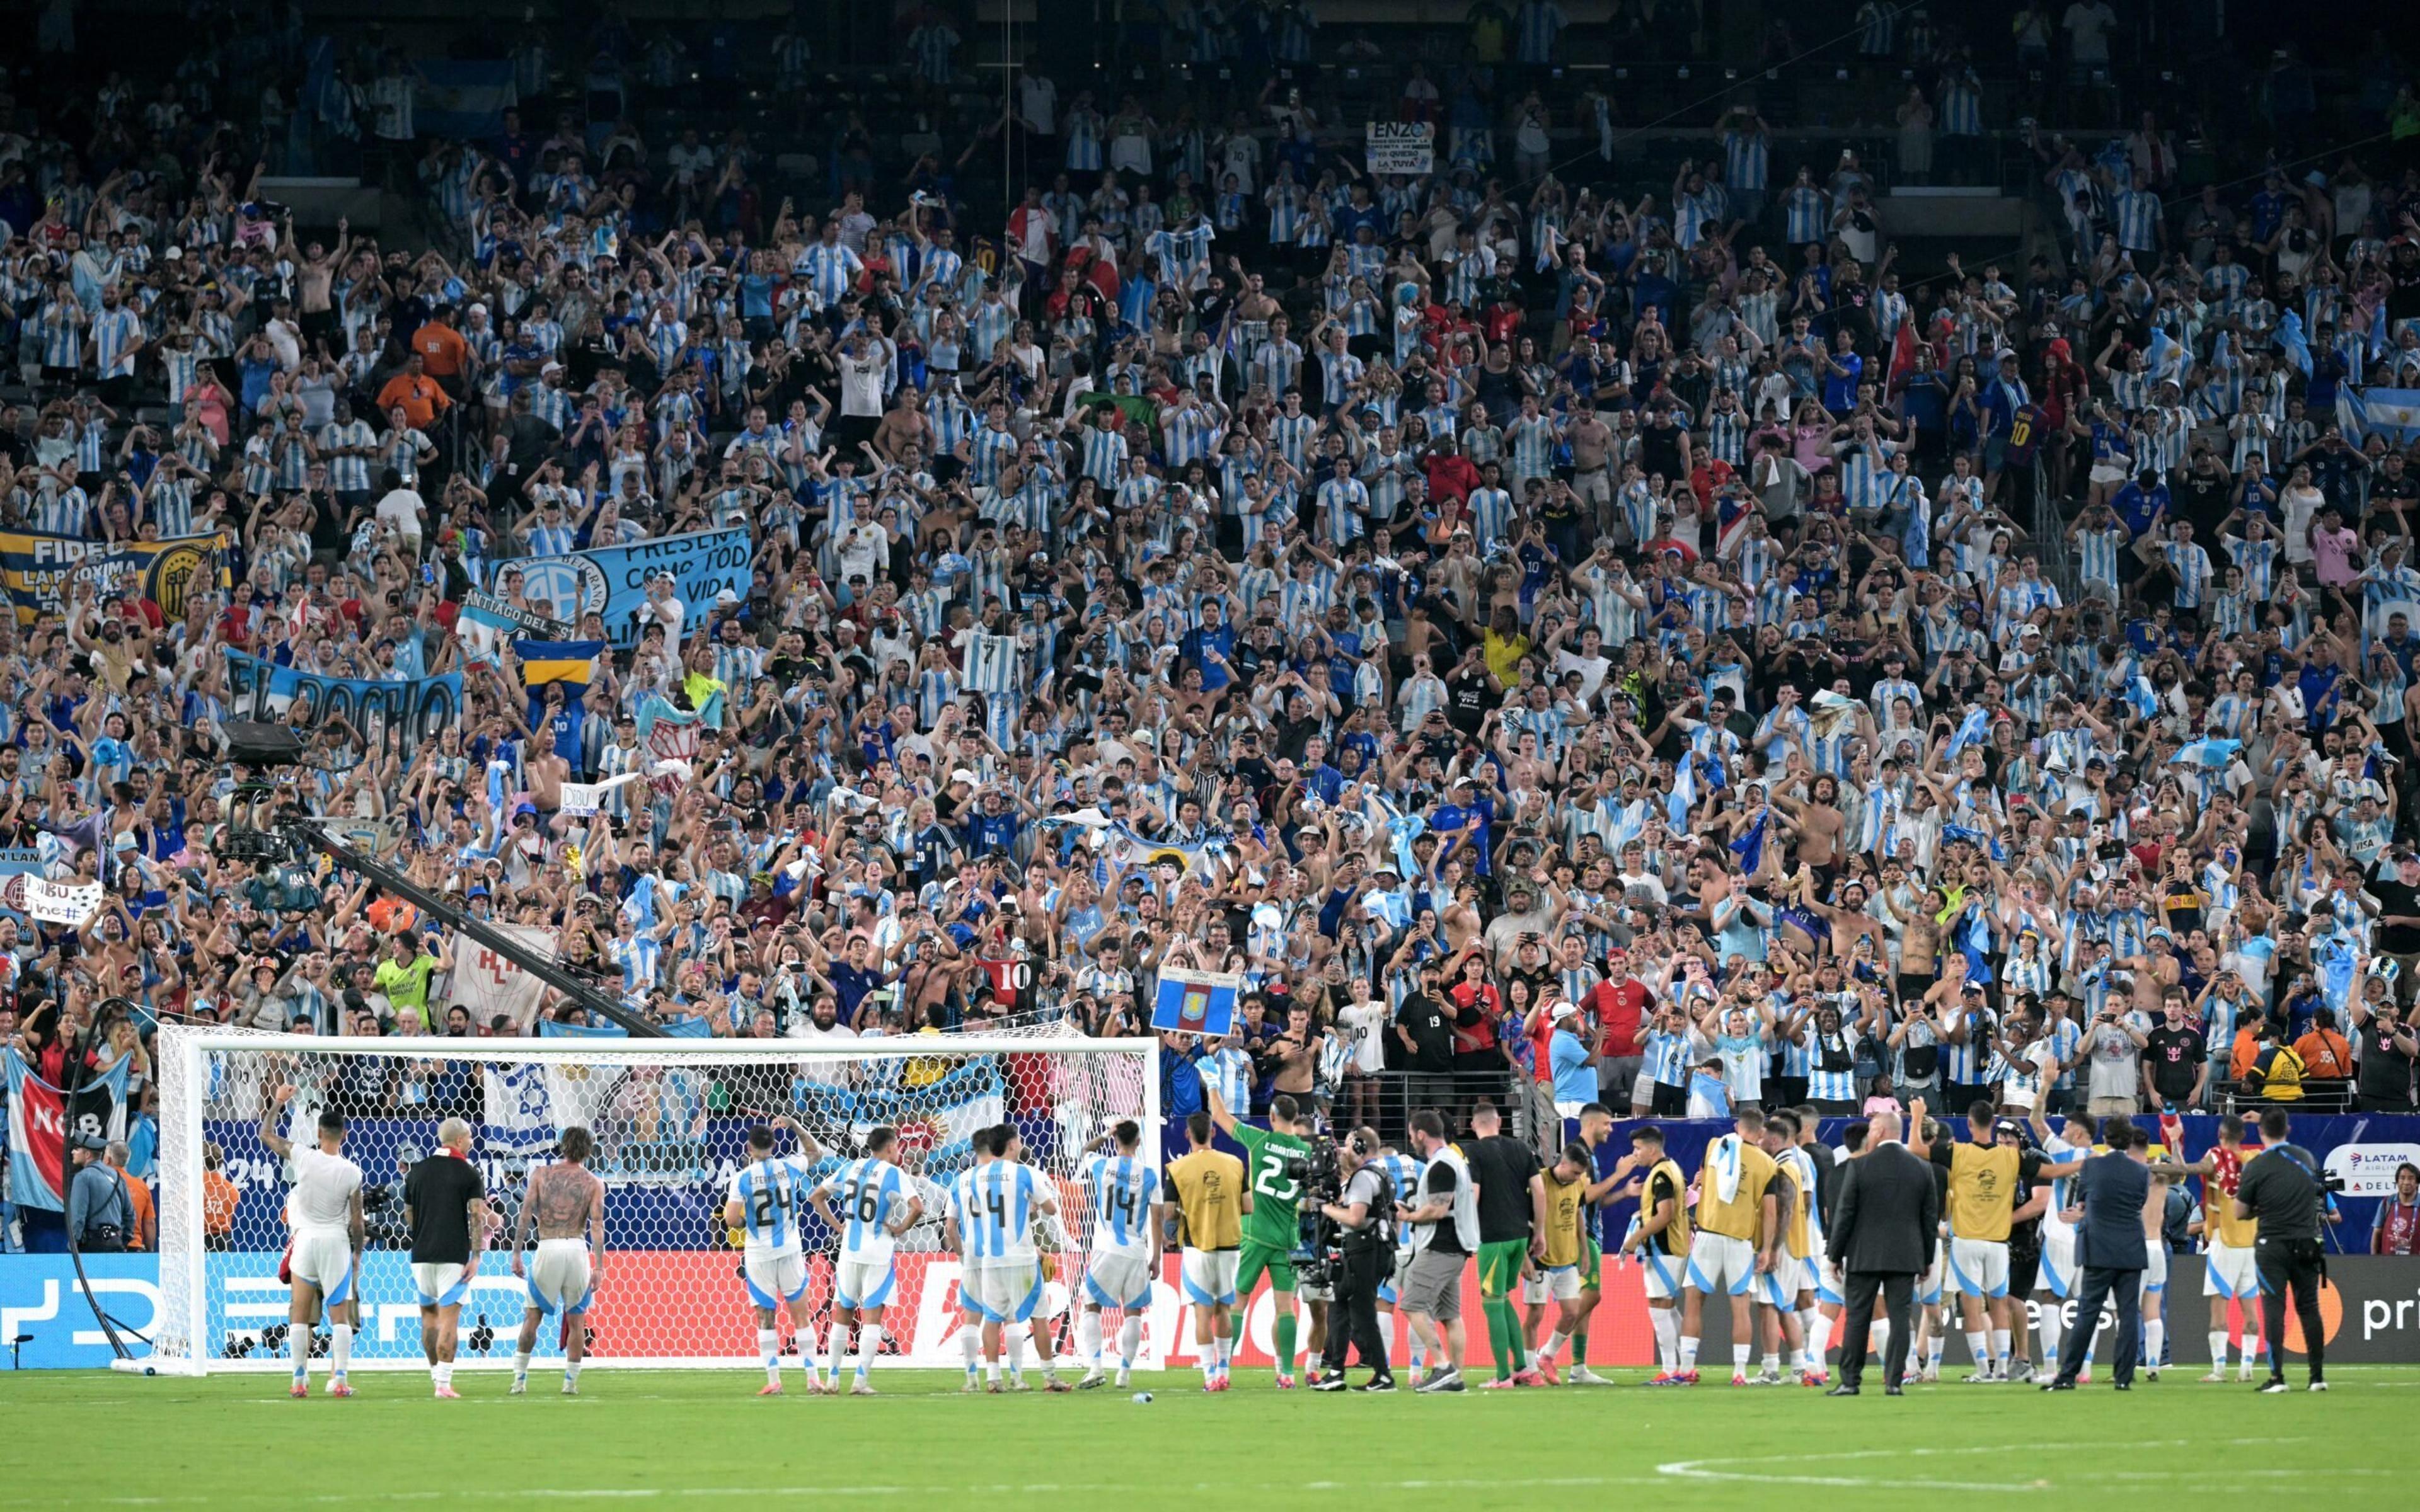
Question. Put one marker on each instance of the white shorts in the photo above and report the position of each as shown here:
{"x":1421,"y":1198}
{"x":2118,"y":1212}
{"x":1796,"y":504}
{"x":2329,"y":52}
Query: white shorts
{"x":1780,"y":1287}
{"x":774,"y":1280}
{"x":2058,"y":1273}
{"x":1210,"y":1276}
{"x":1119,"y":1276}
{"x":559,"y":1278}
{"x":2155,"y":1269}
{"x":1663,"y":1275}
{"x":439,"y":1284}
{"x":1010,"y":1290}
{"x":864,"y":1283}
{"x":2230,"y":1272}
{"x":323,"y":1259}
{"x":1980,"y":1267}
{"x":1828,"y":1285}
{"x":1720,"y":1265}
{"x":1927,"y":1286}
{"x":1556,"y":1283}
{"x":970,"y":1287}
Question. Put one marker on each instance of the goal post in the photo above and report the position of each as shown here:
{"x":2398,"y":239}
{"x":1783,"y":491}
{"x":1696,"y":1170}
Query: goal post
{"x":669,"y":1120}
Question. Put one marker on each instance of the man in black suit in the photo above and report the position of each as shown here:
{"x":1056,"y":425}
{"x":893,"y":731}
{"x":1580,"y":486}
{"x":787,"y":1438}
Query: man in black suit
{"x":1882,"y":1226}
{"x":2111,"y":1191}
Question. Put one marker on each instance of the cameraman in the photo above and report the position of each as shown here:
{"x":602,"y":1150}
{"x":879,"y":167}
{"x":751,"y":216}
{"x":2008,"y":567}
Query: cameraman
{"x":1365,"y":1253}
{"x":2280,"y":1190}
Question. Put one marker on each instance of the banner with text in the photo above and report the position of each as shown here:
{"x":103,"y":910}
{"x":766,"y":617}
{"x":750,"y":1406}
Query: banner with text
{"x":39,"y":572}
{"x":611,"y":582}
{"x":388,"y":717}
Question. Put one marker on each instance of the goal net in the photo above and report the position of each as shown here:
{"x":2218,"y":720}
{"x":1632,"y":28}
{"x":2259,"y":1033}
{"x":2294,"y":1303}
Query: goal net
{"x":670,"y":1119}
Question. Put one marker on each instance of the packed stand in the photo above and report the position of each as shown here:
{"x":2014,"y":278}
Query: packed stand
{"x":1540,"y":636}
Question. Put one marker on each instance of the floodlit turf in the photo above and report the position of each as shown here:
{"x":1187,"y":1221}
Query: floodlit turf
{"x":658,"y":1438}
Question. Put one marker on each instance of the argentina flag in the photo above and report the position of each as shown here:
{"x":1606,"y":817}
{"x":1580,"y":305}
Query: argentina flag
{"x":937,"y":1121}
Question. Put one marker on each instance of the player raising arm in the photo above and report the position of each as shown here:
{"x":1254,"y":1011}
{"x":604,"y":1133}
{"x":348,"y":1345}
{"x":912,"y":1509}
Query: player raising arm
{"x":566,"y":1202}
{"x":325,"y":1212}
{"x":765,"y":1201}
{"x":878,"y":1205}
{"x":1273,"y":1224}
{"x":1126,"y":1216}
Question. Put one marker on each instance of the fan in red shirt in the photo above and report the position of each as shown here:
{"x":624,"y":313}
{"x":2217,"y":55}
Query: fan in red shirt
{"x":1618,"y":1007}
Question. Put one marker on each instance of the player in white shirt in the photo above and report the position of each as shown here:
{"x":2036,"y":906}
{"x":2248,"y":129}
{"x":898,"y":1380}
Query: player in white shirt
{"x":2059,"y":1272}
{"x":324,"y":1212}
{"x":567,"y":1203}
{"x":764,"y":1203}
{"x":960,"y":1236}
{"x":877,"y":1205}
{"x":1001,"y":1212}
{"x":1128,"y":1215}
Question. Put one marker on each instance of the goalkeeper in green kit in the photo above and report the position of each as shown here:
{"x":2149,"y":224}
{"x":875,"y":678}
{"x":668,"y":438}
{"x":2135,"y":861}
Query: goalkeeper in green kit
{"x":1274,"y":1225}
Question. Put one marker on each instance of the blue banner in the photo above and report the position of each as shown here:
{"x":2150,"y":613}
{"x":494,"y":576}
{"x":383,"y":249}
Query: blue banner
{"x":388,"y":716}
{"x":611,"y":582}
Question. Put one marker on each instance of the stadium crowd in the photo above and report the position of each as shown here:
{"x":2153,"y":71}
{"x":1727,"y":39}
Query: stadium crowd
{"x":1662,"y":647}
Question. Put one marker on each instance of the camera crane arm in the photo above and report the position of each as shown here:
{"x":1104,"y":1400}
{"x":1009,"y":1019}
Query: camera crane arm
{"x":310,"y":837}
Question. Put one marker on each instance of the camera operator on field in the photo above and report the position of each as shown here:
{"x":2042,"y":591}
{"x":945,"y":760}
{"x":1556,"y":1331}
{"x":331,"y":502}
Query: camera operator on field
{"x":2282,"y":1191}
{"x":1362,"y":1213}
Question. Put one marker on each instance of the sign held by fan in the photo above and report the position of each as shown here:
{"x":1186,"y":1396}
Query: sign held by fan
{"x":59,"y":902}
{"x":1196,"y":1002}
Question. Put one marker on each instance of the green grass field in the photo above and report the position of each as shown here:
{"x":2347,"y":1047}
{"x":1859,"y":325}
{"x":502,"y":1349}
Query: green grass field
{"x":695,"y":1437}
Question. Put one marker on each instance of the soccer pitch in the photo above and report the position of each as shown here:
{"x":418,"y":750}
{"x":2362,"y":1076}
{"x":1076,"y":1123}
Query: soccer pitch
{"x":680,"y":1438}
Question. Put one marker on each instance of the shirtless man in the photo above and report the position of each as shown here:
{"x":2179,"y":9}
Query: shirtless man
{"x":1592,"y":443}
{"x":904,"y":424}
{"x":314,"y":281}
{"x":1848,"y":920}
{"x":1817,"y":821}
{"x":566,"y":1202}
{"x":1297,"y":1052}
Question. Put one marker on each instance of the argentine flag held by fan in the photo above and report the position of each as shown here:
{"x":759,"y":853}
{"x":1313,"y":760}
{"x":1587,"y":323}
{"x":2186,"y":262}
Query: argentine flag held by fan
{"x":993,"y":664}
{"x":937,"y":1119}
{"x":2394,"y":413}
{"x":2211,"y":751}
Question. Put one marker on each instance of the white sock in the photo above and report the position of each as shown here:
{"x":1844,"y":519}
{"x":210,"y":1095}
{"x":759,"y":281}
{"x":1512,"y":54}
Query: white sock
{"x":298,"y":1344}
{"x":1979,"y":1347}
{"x":2155,"y":1342}
{"x":1129,"y":1340}
{"x":1772,"y":1362}
{"x":2092,"y":1346}
{"x":1932,"y":1354}
{"x":1209,"y":1365}
{"x":1878,"y":1340}
{"x":971,"y":1343}
{"x":2000,"y":1350}
{"x":1088,"y":1339}
{"x":1043,"y":1356}
{"x":1226,"y":1351}
{"x":572,"y":1370}
{"x":2255,"y":1346}
{"x":442,"y":1373}
{"x":1667,"y":1337}
{"x":2218,"y":1349}
{"x":869,"y":1344}
{"x":1011,"y":1343}
{"x":1688,"y":1351}
{"x":1552,"y":1347}
{"x":2053,"y":1330}
{"x":1739,"y":1358}
{"x":340,"y":1348}
{"x":769,"y":1349}
{"x":520,"y":1365}
{"x":1819,"y":1336}
{"x":835,"y":1346}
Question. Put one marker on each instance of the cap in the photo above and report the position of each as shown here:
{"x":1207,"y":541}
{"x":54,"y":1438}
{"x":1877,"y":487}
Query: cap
{"x":726,"y":596}
{"x":1563,"y":1010}
{"x":962,"y":775}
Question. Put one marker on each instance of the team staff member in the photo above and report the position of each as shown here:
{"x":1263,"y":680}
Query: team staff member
{"x":1565,"y":1256}
{"x":1984,"y":1176}
{"x":1362,"y":1213}
{"x":1445,"y":1234}
{"x":1737,"y":1230}
{"x":446,"y":1206}
{"x":1597,"y":1127}
{"x":1511,"y":1213}
{"x":1659,"y":1238}
{"x":1211,"y":1202}
{"x":2280,"y":1189}
{"x":1788,"y":1290}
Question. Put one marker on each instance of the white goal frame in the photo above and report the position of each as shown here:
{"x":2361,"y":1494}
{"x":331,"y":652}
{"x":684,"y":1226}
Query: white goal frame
{"x":183,"y":1060}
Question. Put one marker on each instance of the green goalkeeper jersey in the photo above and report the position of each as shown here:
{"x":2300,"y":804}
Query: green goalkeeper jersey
{"x":1276,"y":1219}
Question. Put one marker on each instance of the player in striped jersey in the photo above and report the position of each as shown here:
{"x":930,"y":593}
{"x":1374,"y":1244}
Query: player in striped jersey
{"x":877,"y":1205}
{"x":762,"y":1211}
{"x":1128,"y":1214}
{"x":999,"y":1205}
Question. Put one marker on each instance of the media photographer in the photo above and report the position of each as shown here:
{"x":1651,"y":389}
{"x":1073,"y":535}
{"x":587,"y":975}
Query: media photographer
{"x":2282,"y":1189}
{"x":1356,"y":1230}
